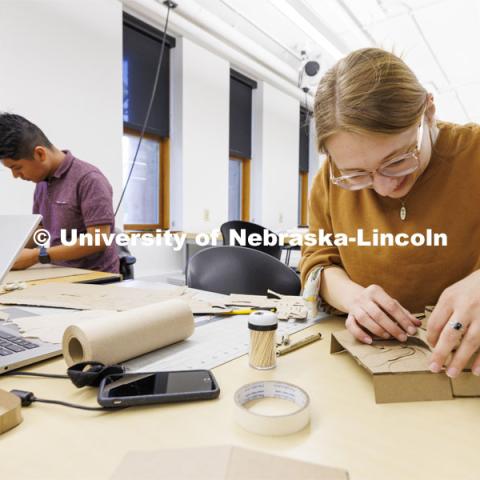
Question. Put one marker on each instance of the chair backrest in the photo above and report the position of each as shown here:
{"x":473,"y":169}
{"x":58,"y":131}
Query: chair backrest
{"x":240,"y":270}
{"x":127,"y":260}
{"x":238,"y":225}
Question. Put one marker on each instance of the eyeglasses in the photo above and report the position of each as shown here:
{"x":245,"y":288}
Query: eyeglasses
{"x":398,"y":166}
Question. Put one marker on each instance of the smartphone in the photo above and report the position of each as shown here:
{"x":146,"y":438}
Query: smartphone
{"x":128,"y":389}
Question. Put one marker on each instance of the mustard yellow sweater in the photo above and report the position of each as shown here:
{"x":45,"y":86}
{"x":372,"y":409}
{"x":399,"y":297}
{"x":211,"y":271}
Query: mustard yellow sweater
{"x":444,"y":199}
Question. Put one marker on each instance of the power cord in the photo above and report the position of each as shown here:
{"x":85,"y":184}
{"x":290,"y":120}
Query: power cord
{"x":27,"y":398}
{"x":170,"y":5}
{"x":35,"y":374}
{"x":81,"y":374}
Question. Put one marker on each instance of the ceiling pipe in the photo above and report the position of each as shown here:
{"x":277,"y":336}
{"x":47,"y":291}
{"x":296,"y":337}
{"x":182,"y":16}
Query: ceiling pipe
{"x":220,"y":40}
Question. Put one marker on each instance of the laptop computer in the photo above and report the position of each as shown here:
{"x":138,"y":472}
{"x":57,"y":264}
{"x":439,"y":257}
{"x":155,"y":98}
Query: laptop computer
{"x":16,"y":351}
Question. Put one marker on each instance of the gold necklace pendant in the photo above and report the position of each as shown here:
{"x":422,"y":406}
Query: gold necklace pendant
{"x":403,"y":212}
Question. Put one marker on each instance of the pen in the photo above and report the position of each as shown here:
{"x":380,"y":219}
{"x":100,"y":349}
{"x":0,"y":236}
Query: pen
{"x":242,"y":311}
{"x":296,"y":345}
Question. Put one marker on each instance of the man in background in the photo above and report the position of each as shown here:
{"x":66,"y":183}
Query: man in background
{"x":70,"y":194}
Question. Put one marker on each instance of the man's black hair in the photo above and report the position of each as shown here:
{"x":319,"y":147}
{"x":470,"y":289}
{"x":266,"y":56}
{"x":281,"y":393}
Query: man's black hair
{"x":19,"y":137}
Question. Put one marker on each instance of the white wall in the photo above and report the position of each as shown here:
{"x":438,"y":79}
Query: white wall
{"x":61,"y":67}
{"x":275,"y":158}
{"x":315,"y":159}
{"x":156,"y":260}
{"x":200,"y":133}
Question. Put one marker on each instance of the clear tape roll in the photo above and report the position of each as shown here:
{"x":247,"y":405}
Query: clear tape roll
{"x":284,"y":424}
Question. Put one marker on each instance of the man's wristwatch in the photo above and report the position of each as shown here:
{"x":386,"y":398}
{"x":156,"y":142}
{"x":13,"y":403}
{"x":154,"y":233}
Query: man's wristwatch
{"x":43,"y":256}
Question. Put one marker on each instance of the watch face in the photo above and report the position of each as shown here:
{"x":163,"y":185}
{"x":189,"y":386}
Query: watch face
{"x":44,"y":258}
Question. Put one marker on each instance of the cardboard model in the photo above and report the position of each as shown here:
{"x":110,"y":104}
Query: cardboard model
{"x":219,"y":463}
{"x":400,"y":370}
{"x":10,"y":411}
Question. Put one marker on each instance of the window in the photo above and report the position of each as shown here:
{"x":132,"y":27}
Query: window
{"x":147,"y":197}
{"x":240,"y":146}
{"x":303,"y":167}
{"x":239,"y":189}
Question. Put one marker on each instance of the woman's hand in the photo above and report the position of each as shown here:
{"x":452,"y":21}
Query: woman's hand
{"x":375,"y":312}
{"x":456,"y":321}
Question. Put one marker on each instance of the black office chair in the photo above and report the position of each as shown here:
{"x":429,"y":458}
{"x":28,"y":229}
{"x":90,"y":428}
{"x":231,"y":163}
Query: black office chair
{"x":240,"y":270}
{"x":126,"y":267}
{"x":238,"y":225}
{"x":127,"y":260}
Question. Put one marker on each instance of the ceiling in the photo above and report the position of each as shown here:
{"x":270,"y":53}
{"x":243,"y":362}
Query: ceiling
{"x":438,"y":39}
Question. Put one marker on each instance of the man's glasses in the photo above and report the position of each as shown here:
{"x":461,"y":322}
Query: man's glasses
{"x":396,"y":167}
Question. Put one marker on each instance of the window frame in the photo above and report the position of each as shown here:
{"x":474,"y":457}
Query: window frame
{"x":245,"y":187}
{"x":164,"y":182}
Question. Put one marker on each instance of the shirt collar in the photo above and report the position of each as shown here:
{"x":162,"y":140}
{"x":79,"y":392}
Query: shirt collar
{"x":64,"y":166}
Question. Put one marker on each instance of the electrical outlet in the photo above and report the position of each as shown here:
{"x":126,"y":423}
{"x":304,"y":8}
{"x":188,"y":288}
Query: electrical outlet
{"x":206,"y":215}
{"x":280,"y":218}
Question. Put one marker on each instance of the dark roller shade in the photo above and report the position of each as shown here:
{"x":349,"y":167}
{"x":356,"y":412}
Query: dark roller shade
{"x":304,"y":140}
{"x":141,"y":51}
{"x":241,"y":115}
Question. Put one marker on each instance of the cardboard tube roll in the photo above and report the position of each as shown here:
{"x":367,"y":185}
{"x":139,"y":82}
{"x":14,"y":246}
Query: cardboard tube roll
{"x":120,"y":336}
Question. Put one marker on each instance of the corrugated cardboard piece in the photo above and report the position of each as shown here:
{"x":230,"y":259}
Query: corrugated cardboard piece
{"x":42,"y":272}
{"x":103,"y":297}
{"x":219,"y":463}
{"x":113,"y":297}
{"x":10,"y":411}
{"x":400,"y":370}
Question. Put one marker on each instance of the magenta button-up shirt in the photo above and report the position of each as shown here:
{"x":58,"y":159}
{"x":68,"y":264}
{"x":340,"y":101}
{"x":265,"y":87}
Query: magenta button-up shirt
{"x":77,"y":196}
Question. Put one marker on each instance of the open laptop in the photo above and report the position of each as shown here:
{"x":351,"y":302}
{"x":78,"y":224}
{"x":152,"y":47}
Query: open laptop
{"x":16,"y":351}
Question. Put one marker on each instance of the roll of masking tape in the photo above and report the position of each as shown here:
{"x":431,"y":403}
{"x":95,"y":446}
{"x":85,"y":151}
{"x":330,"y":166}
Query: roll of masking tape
{"x":283,"y":424}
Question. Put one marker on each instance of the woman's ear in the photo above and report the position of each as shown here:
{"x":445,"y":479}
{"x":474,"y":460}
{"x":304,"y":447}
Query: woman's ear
{"x":430,"y":110}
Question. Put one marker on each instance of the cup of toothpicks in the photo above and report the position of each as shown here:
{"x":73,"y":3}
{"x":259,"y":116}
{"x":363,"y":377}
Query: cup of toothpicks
{"x":263,"y":325}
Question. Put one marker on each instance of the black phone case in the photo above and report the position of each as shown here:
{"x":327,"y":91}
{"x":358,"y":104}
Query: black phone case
{"x":121,"y":402}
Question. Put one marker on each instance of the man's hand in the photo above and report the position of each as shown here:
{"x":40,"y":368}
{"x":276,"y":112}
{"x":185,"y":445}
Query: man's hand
{"x":458,"y":306}
{"x":373,"y":310}
{"x":27,"y":258}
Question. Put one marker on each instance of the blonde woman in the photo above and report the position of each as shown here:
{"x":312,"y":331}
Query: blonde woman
{"x":392,"y":169}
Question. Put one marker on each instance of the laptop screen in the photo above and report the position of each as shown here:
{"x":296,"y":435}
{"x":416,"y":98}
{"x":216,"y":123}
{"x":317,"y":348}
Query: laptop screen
{"x":16,"y":231}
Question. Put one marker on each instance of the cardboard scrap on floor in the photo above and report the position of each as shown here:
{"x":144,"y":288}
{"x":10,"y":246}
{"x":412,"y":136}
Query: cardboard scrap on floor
{"x":219,"y":463}
{"x":400,"y":370}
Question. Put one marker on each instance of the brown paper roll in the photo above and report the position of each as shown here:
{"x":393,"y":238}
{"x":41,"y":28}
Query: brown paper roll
{"x":120,"y":336}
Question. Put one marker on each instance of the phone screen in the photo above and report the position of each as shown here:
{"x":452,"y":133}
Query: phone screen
{"x":144,"y":384}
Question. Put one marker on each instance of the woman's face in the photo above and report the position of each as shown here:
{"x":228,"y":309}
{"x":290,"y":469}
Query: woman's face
{"x":353,"y":151}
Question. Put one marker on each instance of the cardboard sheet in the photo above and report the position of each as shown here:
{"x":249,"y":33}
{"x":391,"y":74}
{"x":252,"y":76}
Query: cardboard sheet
{"x":50,"y":328}
{"x":106,"y":297}
{"x":42,"y":272}
{"x":400,"y":370}
{"x":87,"y":297}
{"x":219,"y":463}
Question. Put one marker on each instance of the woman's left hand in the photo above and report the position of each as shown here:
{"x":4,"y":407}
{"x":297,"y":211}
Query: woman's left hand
{"x":455,"y":321}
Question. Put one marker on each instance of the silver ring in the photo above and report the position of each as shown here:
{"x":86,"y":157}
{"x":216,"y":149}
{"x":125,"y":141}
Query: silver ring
{"x":456,"y":325}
